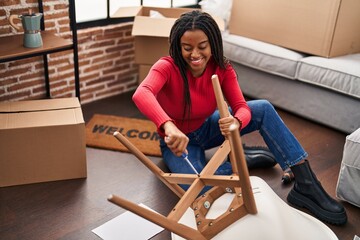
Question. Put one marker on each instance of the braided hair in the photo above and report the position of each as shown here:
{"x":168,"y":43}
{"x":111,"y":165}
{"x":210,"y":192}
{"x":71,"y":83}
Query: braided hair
{"x":191,"y":21}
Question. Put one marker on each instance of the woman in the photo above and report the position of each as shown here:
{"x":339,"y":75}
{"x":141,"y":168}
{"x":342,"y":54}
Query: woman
{"x":177,"y":95}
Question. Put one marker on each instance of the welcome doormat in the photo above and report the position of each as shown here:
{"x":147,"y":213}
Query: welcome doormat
{"x":141,"y":133}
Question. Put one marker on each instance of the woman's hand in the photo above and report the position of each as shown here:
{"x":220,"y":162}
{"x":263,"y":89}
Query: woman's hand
{"x":176,"y":140}
{"x":225,"y":123}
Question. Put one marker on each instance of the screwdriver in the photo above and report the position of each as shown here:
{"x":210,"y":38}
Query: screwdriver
{"x":185,"y":157}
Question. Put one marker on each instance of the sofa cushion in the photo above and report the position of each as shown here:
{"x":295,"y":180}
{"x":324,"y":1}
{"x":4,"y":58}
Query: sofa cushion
{"x":341,"y":74}
{"x":212,"y":7}
{"x":260,"y":55}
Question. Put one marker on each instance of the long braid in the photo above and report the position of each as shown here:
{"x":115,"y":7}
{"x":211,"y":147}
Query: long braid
{"x":191,"y":21}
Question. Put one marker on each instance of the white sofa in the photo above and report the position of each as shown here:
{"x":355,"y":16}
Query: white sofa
{"x":325,"y":90}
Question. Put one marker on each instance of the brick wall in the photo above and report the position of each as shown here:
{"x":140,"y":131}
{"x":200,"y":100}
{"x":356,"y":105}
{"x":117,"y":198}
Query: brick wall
{"x":106,"y":58}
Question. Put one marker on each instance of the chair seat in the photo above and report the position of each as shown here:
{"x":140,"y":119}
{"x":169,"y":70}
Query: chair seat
{"x":275,"y":219}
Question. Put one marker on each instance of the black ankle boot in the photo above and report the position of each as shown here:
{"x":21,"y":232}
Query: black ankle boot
{"x":287,"y":177}
{"x":308,"y":193}
{"x":258,"y":157}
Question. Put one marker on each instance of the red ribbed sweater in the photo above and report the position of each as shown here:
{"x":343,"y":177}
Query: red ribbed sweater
{"x":160,"y":96}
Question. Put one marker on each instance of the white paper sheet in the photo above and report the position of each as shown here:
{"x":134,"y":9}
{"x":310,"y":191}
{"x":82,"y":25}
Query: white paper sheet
{"x":128,"y":226}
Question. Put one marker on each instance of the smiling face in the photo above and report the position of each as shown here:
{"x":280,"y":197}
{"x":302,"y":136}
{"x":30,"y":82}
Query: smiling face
{"x":196,"y":51}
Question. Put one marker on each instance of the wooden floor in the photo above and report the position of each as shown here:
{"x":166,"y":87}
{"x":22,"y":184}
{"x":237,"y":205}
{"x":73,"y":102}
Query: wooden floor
{"x":70,"y":209}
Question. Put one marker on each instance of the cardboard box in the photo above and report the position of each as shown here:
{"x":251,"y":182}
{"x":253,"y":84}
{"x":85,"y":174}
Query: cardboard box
{"x":326,"y":28}
{"x":41,"y":140}
{"x":152,"y":33}
{"x":143,"y":71}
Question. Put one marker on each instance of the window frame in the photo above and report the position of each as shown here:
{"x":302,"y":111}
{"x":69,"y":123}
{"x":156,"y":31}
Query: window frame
{"x":108,"y":20}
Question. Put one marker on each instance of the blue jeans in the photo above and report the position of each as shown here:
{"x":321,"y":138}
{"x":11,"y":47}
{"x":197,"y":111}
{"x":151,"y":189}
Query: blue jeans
{"x":280,"y":141}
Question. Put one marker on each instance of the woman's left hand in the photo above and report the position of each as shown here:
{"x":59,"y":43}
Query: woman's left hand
{"x":225,"y":123}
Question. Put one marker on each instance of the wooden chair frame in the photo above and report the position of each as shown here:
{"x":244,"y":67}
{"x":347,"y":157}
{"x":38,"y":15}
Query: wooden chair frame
{"x":242,"y":204}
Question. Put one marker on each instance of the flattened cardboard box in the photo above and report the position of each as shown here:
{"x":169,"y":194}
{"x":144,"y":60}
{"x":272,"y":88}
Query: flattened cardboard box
{"x":326,"y":28}
{"x":152,"y":33}
{"x":41,"y":140}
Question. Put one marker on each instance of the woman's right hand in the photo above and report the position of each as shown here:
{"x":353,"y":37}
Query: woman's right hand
{"x":175,"y":139}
